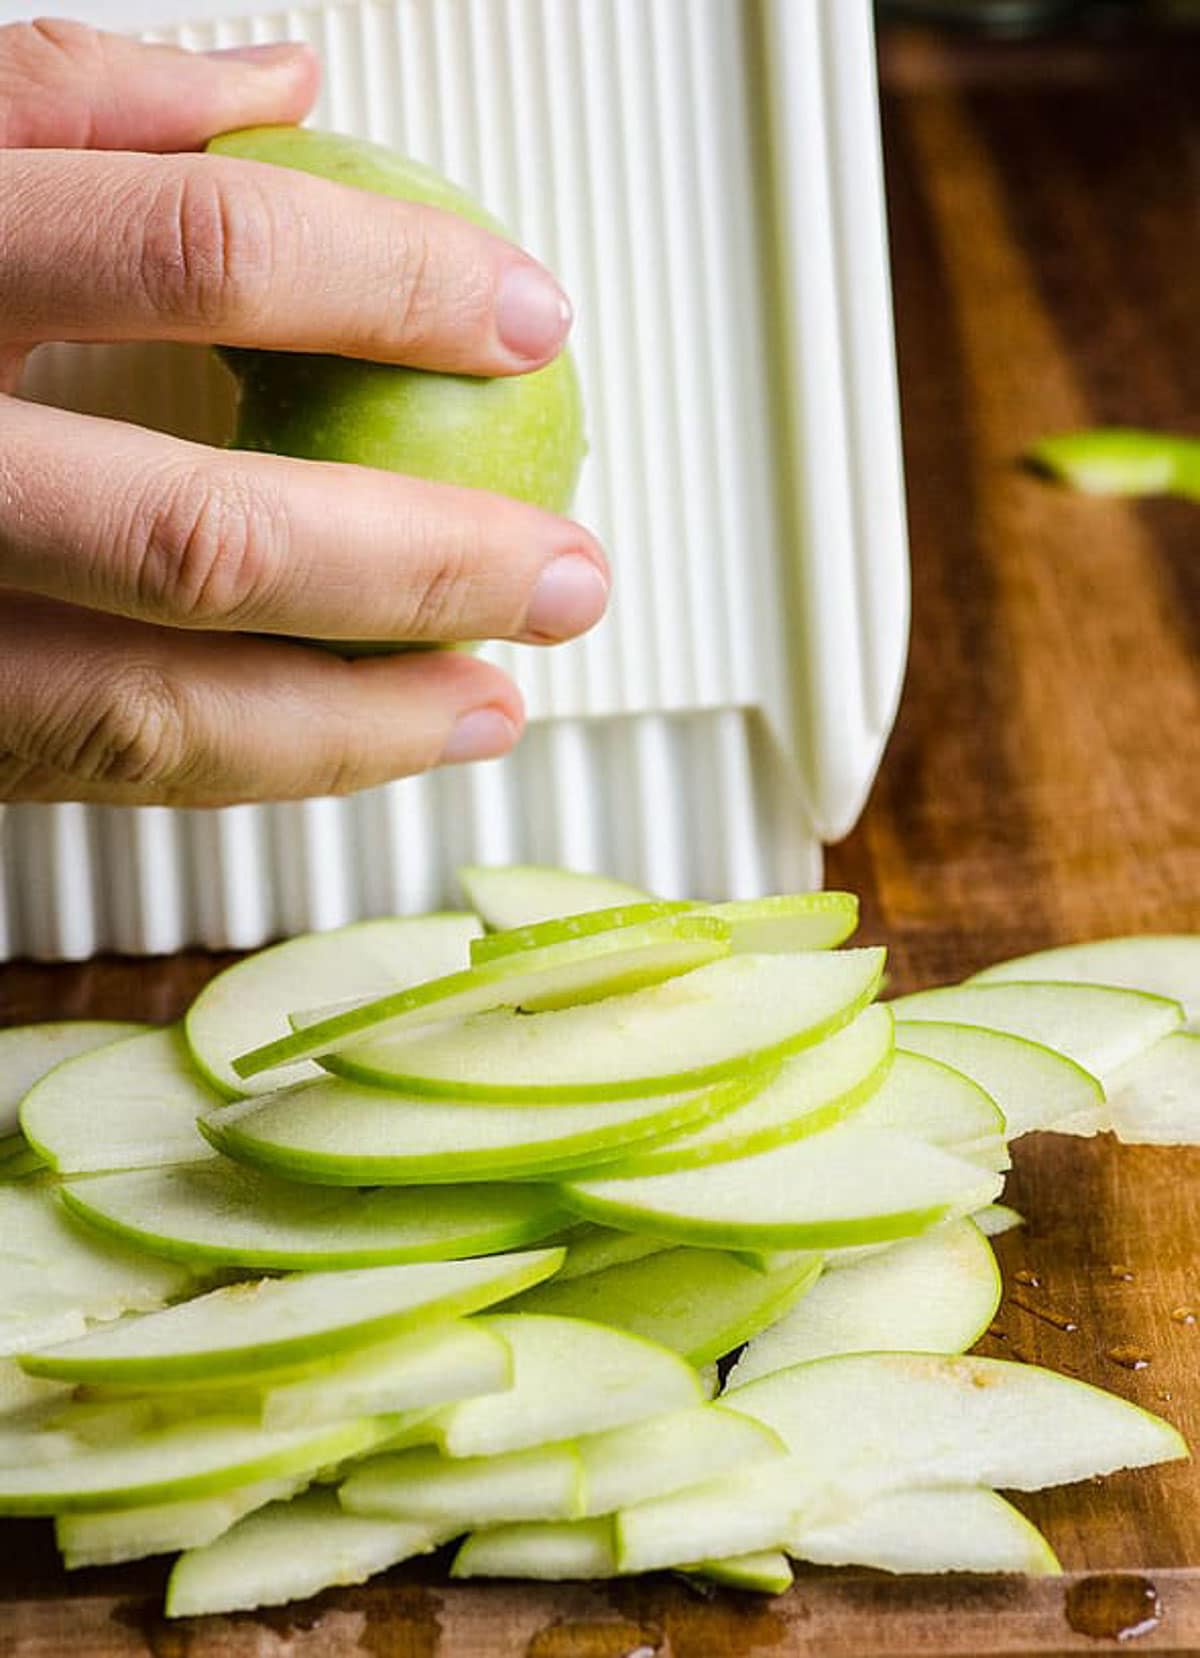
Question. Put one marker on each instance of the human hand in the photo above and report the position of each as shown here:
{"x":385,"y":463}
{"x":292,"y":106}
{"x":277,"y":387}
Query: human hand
{"x":139,"y":572}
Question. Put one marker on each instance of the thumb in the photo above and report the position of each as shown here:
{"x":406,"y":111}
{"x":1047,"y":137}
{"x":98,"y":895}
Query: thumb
{"x":66,"y":86}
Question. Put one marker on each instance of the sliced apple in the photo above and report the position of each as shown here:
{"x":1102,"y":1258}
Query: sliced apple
{"x":107,"y":1537}
{"x":862,"y":1425}
{"x":489,"y":946}
{"x":336,"y":1132}
{"x":1154,"y":1099}
{"x":1165,"y":964}
{"x":20,"y":1159}
{"x":220,"y":1214}
{"x":128,"y":1105}
{"x":270,"y":1323}
{"x":290,"y":1551}
{"x":544,"y":1482}
{"x":933,"y":1294}
{"x":28,"y":1052}
{"x":810,"y":1091}
{"x":1096,"y":1026}
{"x":698,"y":1028}
{"x":933,"y":1102}
{"x":968,"y":1530}
{"x":520,"y":895}
{"x":250,"y":1001}
{"x":996,"y":1219}
{"x":1035,"y":1087}
{"x":701,"y":1303}
{"x":569,"y":1377}
{"x":549,"y":1551}
{"x":652,"y":1458}
{"x":593,"y":1248}
{"x":849,"y":1185}
{"x":766,"y":1572}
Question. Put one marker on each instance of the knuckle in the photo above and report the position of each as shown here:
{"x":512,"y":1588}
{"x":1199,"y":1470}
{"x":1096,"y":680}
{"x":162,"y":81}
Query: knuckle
{"x":438,"y":294}
{"x":205,"y":246}
{"x":207,"y":547}
{"x":40,"y":55}
{"x":437,"y":593}
{"x":130,"y":729}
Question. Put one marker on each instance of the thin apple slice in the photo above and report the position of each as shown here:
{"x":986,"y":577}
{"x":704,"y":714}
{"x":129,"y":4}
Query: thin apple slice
{"x":1096,"y":1026}
{"x":544,"y":1482}
{"x":701,"y":1303}
{"x":1154,"y":1099}
{"x":766,"y":1572}
{"x":861,"y":1425}
{"x":933,"y":1294}
{"x":933,"y":1102}
{"x":217,"y":1214}
{"x":20,"y":1159}
{"x":967,"y":1530}
{"x":1035,"y":1087}
{"x":251,"y":1000}
{"x":569,"y":1377}
{"x":290,"y":1551}
{"x":698,"y":1028}
{"x":490,"y":946}
{"x":198,"y":1457}
{"x":57,"y":1275}
{"x":1164,"y":964}
{"x":263,"y":1326}
{"x":809,"y":1092}
{"x":336,"y":1132}
{"x":107,"y":1537}
{"x":997,"y":1218}
{"x":520,"y":895}
{"x":128,"y":1105}
{"x":546,"y":1551}
{"x":593,"y":1248}
{"x":27,"y":1052}
{"x":655,"y":1457}
{"x":849,"y":1185}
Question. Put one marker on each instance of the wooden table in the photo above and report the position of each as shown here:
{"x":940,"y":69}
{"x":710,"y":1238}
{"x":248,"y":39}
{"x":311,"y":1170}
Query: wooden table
{"x":1043,"y":784}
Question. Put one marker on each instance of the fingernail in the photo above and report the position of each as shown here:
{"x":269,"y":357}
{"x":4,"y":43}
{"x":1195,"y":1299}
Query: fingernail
{"x":570,"y":597}
{"x":482,"y":734}
{"x":267,"y":54}
{"x":532,"y":312}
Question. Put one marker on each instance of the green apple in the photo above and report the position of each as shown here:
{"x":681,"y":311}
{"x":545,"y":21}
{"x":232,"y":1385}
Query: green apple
{"x":219,"y":1214}
{"x":652,"y":1458}
{"x":249,"y":1328}
{"x":560,"y":975}
{"x":1154,"y":1099}
{"x":1164,"y":964}
{"x":1035,"y":1086}
{"x":934,"y":1102}
{"x":997,"y":1218}
{"x":543,"y":1482}
{"x":521,"y":895}
{"x":700,"y":1027}
{"x":106,"y":1537}
{"x":290,"y":1551}
{"x":27,"y":1052}
{"x":701,"y":1303}
{"x":592,"y":1248}
{"x":933,"y":1294}
{"x":968,"y":1530}
{"x":766,"y":1572}
{"x":250,"y":1001}
{"x":1097,"y":1026}
{"x":521,"y":435}
{"x":489,"y":946}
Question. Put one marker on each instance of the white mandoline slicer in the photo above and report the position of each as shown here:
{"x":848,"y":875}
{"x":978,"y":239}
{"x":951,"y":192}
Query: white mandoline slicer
{"x":704,"y":175}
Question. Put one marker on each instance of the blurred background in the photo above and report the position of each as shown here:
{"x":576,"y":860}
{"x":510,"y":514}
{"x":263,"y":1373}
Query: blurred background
{"x":1029,"y":17}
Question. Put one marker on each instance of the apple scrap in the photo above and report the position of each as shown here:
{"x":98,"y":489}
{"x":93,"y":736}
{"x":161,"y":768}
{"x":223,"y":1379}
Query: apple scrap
{"x":517,"y":1186}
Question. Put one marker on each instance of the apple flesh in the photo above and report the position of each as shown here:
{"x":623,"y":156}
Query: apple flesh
{"x":106,"y":1537}
{"x":931,"y":1531}
{"x":1164,"y":964}
{"x":1034,"y":1086}
{"x":522,"y":895}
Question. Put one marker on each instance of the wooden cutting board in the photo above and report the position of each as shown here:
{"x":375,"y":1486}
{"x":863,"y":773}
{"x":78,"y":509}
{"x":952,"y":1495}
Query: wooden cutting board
{"x":1043,"y":784}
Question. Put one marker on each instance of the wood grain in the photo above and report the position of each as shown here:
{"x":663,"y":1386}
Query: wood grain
{"x":1043,"y":784}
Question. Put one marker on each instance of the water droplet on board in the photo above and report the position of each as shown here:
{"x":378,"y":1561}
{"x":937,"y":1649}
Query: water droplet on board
{"x":1129,"y":1357}
{"x":996,"y":1333}
{"x":1048,"y":1315}
{"x":1113,"y":1607}
{"x":1120,"y":1274}
{"x":1185,"y":1315}
{"x":1030,"y":1279}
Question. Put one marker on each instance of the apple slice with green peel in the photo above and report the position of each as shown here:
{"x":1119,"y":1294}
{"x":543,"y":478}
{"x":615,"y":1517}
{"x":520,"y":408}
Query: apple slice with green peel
{"x":661,"y":1454}
{"x":198,"y":1457}
{"x":968,"y":1530}
{"x":560,"y":975}
{"x":262,"y":1326}
{"x":933,"y":1294}
{"x":849,"y":1185}
{"x":549,"y":1551}
{"x":57,"y":1276}
{"x":933,"y":1102}
{"x":128,"y":1105}
{"x":1096,"y":1026}
{"x":569,"y":1377}
{"x":1035,"y":1086}
{"x":335,"y":1132}
{"x":596,"y":1248}
{"x":787,"y":922}
{"x":290,"y":1551}
{"x":701,"y":1027}
{"x":251,"y":1000}
{"x":1164,"y":964}
{"x":766,"y":1572}
{"x":219,"y":1214}
{"x":544,"y":1482}
{"x":812,"y":1090}
{"x":861,"y":1425}
{"x":1154,"y":1099}
{"x":701,"y":1303}
{"x":21,"y":1160}
{"x":27,"y":1052}
{"x":996,"y":1219}
{"x":520,"y":895}
{"x":1120,"y":460}
{"x":107,"y":1537}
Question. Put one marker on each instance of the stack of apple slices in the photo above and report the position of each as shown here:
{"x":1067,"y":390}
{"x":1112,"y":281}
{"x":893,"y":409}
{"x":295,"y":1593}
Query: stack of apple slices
{"x":526,"y":1186}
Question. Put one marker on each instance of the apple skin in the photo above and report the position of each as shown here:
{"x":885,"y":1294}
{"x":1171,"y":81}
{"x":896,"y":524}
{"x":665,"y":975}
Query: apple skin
{"x":521,"y":436}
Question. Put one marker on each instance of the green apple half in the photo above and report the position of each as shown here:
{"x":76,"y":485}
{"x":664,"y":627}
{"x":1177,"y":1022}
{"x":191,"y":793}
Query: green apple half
{"x":250,"y":1001}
